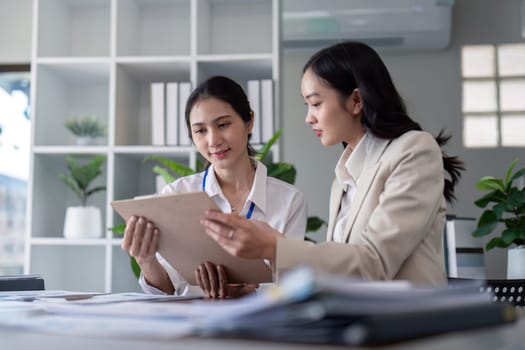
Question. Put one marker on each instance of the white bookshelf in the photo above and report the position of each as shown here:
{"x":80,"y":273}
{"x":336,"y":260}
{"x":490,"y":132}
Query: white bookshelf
{"x":99,"y":57}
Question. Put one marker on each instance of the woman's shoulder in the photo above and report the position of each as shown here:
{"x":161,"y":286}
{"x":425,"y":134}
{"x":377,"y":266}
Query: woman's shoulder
{"x":416,"y":139}
{"x":413,"y":145}
{"x":273,"y":184}
{"x":416,"y":135}
{"x":276,"y":185}
{"x":187,"y":183}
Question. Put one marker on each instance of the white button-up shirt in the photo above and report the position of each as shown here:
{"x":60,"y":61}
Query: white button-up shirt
{"x":279,"y":204}
{"x":343,"y":174}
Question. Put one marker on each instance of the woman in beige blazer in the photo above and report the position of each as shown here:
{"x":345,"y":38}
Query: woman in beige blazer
{"x":388,"y":199}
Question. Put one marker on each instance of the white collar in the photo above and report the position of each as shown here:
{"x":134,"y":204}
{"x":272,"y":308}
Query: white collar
{"x":257,"y":193}
{"x":343,"y":171}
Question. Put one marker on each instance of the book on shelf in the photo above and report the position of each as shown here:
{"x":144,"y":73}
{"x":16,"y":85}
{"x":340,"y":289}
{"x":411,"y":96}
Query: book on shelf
{"x":172,"y":113}
{"x":184,"y":94}
{"x":313,"y":307}
{"x":253,"y":88}
{"x":267,"y":109}
{"x":157,"y":114}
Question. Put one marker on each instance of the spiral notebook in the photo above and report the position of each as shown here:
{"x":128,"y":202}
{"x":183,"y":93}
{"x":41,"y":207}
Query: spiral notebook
{"x":183,"y":241}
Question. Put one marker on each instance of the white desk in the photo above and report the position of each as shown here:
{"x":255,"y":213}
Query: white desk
{"x":501,"y":338}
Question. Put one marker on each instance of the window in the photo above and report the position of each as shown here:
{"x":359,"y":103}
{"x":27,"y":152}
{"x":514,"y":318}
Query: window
{"x":493,"y":100}
{"x":14,"y":164}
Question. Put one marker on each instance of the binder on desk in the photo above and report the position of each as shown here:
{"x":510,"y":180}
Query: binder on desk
{"x":21,"y":282}
{"x":389,"y":328}
{"x":326,"y":309}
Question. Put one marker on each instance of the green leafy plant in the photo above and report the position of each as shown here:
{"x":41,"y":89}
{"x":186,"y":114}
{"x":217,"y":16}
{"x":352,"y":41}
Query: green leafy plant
{"x":80,"y":176}
{"x":170,"y":169}
{"x":508,"y":207}
{"x":86,"y":126}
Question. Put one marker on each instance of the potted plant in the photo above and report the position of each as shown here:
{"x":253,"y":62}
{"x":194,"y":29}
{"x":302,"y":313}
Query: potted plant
{"x":508,"y":208}
{"x":83,"y":221}
{"x":86,"y":129}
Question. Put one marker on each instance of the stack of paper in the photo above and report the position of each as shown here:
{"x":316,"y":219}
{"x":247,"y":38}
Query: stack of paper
{"x":312,"y":308}
{"x":305,"y":307}
{"x":121,"y":315}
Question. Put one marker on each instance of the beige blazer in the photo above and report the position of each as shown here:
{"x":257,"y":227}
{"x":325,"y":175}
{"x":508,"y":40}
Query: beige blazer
{"x":395,"y":226}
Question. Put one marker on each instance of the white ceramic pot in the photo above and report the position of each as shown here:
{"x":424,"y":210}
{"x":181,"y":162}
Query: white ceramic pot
{"x":83,"y":222}
{"x":516,"y":263}
{"x":85,"y":141}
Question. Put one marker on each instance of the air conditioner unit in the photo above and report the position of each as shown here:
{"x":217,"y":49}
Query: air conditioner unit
{"x":383,"y":24}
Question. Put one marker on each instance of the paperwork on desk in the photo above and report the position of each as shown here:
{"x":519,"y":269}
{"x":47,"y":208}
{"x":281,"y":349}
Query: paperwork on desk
{"x":305,"y":307}
{"x":122,"y":315}
{"x":320,"y":308}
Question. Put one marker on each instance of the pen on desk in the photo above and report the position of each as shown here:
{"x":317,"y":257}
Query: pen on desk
{"x":68,"y":297}
{"x":80,"y":296}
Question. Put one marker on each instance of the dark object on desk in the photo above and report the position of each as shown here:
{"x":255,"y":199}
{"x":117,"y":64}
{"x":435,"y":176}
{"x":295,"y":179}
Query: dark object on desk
{"x":385,"y":329}
{"x":506,"y":291}
{"x":21,"y":282}
{"x":311,"y":322}
{"x":335,"y":310}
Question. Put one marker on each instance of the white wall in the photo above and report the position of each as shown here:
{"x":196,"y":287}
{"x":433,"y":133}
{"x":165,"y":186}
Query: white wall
{"x":431,"y":85}
{"x":15,"y":31}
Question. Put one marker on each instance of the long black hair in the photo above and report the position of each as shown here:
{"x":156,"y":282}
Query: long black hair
{"x":350,"y":65}
{"x":226,"y":90}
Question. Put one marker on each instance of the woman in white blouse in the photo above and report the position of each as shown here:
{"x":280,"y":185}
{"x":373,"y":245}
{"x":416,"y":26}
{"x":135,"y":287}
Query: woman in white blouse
{"x":220,"y":122}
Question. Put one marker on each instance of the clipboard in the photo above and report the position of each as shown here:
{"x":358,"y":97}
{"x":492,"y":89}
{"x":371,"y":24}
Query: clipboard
{"x":183,"y":241}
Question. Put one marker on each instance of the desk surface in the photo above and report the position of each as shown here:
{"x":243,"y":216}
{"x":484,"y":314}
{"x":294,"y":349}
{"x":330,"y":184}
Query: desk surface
{"x":508,"y":337}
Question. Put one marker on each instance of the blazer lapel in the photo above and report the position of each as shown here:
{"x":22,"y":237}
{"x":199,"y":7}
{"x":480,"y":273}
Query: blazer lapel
{"x":335,"y":202}
{"x":363,"y":185}
{"x":364,"y":169}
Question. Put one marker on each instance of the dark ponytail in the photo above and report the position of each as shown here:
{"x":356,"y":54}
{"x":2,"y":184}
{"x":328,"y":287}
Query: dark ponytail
{"x":453,"y":166}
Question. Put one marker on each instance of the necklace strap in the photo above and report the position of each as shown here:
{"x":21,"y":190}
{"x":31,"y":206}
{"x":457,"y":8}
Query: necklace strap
{"x":252,"y":204}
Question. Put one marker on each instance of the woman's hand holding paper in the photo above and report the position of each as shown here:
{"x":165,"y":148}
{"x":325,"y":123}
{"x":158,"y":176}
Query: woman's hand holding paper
{"x":241,"y":237}
{"x":141,"y":239}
